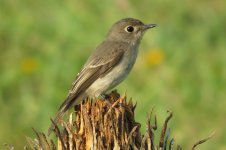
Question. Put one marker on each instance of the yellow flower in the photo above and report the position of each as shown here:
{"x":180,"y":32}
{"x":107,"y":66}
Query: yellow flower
{"x":28,"y":65}
{"x":155,"y":57}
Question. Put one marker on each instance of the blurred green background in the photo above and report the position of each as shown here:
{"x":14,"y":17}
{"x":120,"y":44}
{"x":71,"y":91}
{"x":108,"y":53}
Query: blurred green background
{"x":181,"y":64}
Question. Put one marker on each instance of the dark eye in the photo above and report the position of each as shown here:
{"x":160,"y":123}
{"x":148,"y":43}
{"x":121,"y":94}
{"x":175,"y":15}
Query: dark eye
{"x":129,"y":29}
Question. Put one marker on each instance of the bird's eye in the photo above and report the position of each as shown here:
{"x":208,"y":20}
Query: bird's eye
{"x":129,"y":29}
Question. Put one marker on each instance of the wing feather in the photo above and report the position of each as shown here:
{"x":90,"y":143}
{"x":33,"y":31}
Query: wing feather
{"x":94,"y":69}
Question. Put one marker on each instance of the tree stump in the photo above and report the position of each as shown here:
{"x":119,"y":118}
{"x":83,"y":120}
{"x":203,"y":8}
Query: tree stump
{"x":106,"y":124}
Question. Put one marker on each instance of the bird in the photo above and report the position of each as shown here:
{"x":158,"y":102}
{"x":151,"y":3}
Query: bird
{"x":107,"y":66}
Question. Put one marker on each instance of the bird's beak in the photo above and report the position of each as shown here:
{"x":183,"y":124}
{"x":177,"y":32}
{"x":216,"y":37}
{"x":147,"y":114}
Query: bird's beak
{"x":149,"y":26}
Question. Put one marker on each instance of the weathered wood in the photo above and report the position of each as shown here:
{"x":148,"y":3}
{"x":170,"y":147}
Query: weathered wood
{"x":107,"y":124}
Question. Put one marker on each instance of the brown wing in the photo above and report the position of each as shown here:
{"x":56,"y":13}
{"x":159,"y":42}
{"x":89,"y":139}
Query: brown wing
{"x":94,"y":69}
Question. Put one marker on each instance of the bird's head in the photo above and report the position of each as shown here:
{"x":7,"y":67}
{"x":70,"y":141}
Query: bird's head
{"x":128,"y":30}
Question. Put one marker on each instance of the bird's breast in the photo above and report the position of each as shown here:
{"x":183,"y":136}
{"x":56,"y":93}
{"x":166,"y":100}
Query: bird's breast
{"x":129,"y":59}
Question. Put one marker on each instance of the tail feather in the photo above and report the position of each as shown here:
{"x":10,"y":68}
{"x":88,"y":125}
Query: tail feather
{"x":67,"y":104}
{"x":57,"y":119}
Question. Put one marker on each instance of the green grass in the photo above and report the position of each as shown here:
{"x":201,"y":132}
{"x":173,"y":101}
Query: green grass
{"x":43,"y":45}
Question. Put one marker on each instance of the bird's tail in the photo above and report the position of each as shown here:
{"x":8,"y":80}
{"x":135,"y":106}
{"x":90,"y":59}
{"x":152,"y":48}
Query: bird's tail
{"x":57,"y":119}
{"x":67,"y":104}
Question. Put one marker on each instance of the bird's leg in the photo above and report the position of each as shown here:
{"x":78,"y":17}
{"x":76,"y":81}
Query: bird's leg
{"x":104,"y":96}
